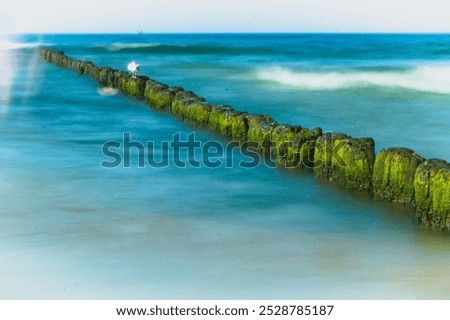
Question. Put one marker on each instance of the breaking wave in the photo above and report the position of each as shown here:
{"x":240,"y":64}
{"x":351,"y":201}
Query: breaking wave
{"x":427,"y":78}
{"x":130,"y":46}
{"x":7,"y":45}
{"x":176,"y":49}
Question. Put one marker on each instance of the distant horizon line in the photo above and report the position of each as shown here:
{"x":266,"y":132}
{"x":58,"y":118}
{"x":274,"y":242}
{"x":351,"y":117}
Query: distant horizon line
{"x":232,"y":32}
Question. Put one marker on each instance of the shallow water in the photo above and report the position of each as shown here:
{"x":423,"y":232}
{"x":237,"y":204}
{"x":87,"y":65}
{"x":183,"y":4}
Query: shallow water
{"x":72,"y":229}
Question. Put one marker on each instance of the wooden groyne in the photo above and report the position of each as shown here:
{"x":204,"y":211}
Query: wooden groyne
{"x":397,"y":175}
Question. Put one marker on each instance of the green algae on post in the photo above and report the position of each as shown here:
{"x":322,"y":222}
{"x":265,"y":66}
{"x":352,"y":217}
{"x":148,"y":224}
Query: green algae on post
{"x":352,"y":163}
{"x":432,"y":193}
{"x":393,"y":175}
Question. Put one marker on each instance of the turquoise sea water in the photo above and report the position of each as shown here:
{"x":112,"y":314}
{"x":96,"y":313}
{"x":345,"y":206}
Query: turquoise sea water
{"x":72,"y":229}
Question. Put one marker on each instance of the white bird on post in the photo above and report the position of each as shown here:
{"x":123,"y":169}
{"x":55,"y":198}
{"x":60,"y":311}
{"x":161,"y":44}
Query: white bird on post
{"x":133,"y":67}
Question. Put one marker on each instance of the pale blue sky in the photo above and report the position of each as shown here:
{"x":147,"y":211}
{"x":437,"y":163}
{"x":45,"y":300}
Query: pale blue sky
{"x":225,"y":16}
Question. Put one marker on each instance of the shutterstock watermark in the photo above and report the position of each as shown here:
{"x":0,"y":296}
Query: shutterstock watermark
{"x":188,"y":151}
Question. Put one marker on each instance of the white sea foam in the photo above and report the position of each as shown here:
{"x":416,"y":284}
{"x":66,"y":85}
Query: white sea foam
{"x":121,"y":46}
{"x":106,"y":91}
{"x":7,"y":45}
{"x":426,"y":78}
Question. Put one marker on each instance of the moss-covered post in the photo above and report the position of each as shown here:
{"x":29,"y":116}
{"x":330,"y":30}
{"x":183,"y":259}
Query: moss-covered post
{"x":259,"y":132}
{"x":133,"y":87}
{"x":160,"y":96}
{"x":181,"y":103}
{"x":285,"y":145}
{"x":228,"y":122}
{"x":306,"y":142}
{"x":325,"y":146}
{"x":352,"y":163}
{"x":393,"y":175}
{"x":432,"y":193}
